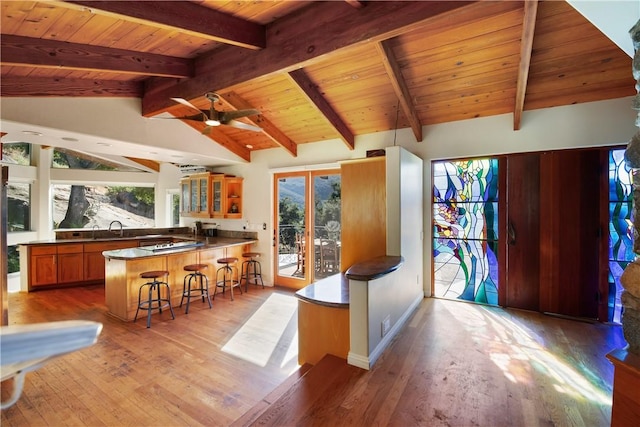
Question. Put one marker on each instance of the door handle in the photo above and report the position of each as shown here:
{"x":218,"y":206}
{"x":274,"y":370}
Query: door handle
{"x":512,"y":233}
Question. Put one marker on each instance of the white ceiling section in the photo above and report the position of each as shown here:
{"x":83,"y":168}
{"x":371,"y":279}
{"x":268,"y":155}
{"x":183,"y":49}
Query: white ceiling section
{"x":613,"y":17}
{"x":108,"y":126}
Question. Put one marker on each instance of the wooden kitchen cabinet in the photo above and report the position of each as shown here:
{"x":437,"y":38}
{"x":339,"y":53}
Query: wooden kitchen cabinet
{"x":70,"y":266}
{"x":195,"y":194}
{"x":217,"y":184}
{"x":211,"y":195}
{"x":43,"y":265}
{"x":93,"y":260}
{"x":233,"y":194}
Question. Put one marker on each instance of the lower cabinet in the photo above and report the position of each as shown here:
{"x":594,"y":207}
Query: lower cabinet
{"x":43,"y":265}
{"x":70,"y":269}
{"x":93,"y":260}
{"x":67,"y":263}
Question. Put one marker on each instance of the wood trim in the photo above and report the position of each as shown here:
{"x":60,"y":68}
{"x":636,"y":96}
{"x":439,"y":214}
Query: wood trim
{"x":526,"y":46}
{"x":313,"y":94}
{"x":54,"y":86}
{"x":33,"y":52}
{"x":293,"y":43}
{"x":236,"y":102}
{"x":186,"y":17}
{"x":400,"y":87}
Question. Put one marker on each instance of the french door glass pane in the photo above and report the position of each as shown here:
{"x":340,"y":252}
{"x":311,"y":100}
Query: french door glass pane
{"x":291,"y":226}
{"x":326,"y":230}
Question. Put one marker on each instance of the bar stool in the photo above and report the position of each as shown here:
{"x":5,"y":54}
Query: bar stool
{"x":151,"y":303}
{"x":251,"y":270}
{"x":195,"y":274}
{"x":224,"y":275}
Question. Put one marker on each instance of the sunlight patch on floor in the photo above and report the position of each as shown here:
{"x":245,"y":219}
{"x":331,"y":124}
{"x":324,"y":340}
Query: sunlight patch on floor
{"x":521,"y":354}
{"x":263,"y":332}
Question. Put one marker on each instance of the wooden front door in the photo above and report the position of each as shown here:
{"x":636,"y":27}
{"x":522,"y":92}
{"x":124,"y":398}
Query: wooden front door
{"x":523,"y":231}
{"x":554,"y":232}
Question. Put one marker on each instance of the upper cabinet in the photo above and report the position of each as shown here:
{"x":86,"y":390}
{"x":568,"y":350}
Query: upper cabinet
{"x":195,"y":192}
{"x":211,"y":195}
{"x":233,"y":195}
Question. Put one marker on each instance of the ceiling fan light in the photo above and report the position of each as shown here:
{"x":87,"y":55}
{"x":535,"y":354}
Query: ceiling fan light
{"x":212,"y":122}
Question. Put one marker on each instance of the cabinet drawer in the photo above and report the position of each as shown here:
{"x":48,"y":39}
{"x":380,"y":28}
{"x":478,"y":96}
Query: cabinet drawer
{"x":43,"y":250}
{"x":70,"y":249}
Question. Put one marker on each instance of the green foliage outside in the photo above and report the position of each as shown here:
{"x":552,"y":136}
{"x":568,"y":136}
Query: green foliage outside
{"x":144,"y":195}
{"x":13,"y":259}
{"x":291,"y":221}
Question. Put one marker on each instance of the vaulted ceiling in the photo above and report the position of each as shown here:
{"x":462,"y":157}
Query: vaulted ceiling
{"x":314,"y":70}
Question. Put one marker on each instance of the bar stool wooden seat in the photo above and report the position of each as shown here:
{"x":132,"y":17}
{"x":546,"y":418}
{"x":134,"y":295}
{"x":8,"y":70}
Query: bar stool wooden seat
{"x":225,"y":275}
{"x":159,"y":301}
{"x":251,"y":270}
{"x":201,"y":282}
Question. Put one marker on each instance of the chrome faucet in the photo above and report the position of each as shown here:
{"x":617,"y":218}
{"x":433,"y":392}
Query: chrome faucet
{"x":93,"y":231}
{"x":116,"y":222}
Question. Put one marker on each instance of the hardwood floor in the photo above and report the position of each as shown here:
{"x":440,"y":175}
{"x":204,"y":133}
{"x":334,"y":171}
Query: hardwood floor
{"x":454,"y":364}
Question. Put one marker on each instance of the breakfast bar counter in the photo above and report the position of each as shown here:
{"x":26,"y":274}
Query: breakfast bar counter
{"x":124,"y":266}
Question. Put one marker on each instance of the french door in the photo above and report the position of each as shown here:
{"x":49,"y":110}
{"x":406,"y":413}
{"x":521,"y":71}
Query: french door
{"x":307,"y":230}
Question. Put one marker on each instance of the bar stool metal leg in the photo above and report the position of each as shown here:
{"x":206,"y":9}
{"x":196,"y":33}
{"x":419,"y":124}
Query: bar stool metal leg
{"x":157,"y":302}
{"x":200,"y":280}
{"x":251,"y":270}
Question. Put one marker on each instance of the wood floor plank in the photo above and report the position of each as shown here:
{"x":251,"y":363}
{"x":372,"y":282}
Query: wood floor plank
{"x":453,"y":364}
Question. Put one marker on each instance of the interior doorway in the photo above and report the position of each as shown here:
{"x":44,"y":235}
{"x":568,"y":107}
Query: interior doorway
{"x":307,"y":230}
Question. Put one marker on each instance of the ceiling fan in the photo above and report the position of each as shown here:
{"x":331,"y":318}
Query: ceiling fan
{"x":213,"y":117}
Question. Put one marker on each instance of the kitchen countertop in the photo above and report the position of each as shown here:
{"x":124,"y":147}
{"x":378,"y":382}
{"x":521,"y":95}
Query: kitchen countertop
{"x":156,"y":250}
{"x":108,"y":239}
{"x":332,"y":291}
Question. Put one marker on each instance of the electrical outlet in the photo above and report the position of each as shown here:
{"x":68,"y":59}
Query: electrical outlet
{"x":386,"y":325}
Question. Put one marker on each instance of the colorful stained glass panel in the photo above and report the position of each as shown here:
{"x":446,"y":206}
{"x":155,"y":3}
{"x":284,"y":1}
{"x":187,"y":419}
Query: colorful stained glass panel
{"x":465,"y":212}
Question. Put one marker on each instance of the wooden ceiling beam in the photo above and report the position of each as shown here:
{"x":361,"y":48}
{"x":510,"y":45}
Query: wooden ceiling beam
{"x":296,"y":41}
{"x":55,"y":87}
{"x":310,"y":89}
{"x":33,"y":52}
{"x":526,"y":46}
{"x":222,"y":139}
{"x":149,"y":164}
{"x":186,"y":17}
{"x":400,"y":87}
{"x":234,"y":101}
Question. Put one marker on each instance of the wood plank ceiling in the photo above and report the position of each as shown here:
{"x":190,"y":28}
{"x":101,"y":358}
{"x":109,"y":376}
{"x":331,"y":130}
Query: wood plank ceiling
{"x":315,"y":70}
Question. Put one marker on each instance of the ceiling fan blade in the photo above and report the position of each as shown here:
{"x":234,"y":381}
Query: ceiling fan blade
{"x":207,"y":130}
{"x":196,"y":117}
{"x":241,"y":125}
{"x":187,"y":104}
{"x":227,"y":116}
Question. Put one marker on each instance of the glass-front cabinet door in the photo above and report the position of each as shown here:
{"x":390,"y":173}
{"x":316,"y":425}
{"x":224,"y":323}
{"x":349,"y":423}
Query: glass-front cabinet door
{"x":185,"y":196}
{"x":204,"y":194}
{"x":216,"y":196}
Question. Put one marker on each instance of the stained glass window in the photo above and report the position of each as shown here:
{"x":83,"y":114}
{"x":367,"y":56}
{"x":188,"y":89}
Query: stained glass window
{"x":465,"y":213}
{"x":620,"y":229}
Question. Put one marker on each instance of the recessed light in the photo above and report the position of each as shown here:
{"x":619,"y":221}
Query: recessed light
{"x":32,"y":132}
{"x":104,"y":144}
{"x":249,"y":146}
{"x":177,"y":156}
{"x":68,"y":138}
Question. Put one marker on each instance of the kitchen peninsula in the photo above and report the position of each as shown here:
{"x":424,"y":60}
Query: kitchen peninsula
{"x":123,"y":267}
